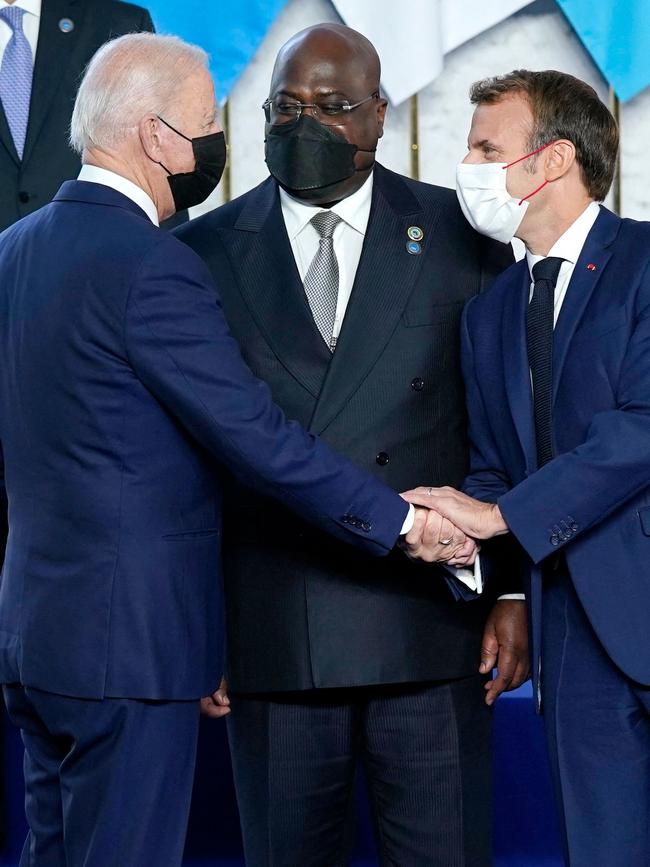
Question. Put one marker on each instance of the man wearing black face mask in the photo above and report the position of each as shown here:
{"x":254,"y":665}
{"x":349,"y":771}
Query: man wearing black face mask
{"x":344,"y":284}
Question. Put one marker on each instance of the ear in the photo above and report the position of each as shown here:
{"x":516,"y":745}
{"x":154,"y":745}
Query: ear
{"x":150,"y":139}
{"x":382,"y":105}
{"x":560,"y":157}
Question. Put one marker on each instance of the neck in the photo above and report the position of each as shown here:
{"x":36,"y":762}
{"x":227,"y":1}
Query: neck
{"x":130,"y":170}
{"x":551,"y":222}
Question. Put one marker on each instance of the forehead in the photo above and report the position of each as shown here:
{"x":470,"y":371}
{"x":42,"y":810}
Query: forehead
{"x":197,"y":92}
{"x":332,"y":67}
{"x":508,"y":118}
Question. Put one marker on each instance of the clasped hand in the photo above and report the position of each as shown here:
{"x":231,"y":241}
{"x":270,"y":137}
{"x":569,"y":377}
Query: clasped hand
{"x":434,"y":539}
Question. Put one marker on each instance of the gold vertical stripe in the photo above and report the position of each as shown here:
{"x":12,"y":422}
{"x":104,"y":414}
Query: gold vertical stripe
{"x":226,"y":188}
{"x":415,"y":138}
{"x":615,"y":108}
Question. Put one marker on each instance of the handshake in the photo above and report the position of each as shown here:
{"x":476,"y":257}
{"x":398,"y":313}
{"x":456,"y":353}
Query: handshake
{"x":449,"y":525}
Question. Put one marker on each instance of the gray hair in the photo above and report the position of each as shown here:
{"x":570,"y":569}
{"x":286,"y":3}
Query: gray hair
{"x":126,"y":79}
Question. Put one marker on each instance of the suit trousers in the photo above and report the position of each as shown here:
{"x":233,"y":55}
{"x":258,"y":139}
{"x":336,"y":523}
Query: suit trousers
{"x":597,"y":723}
{"x":426,"y":752}
{"x":108,"y":783}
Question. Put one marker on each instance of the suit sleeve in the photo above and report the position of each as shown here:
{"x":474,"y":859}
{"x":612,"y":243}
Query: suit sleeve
{"x":579,"y":489}
{"x":487,"y":479}
{"x":179,"y":345}
{"x":3,"y":510}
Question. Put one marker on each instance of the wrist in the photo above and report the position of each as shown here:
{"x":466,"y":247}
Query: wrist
{"x":498,"y":524}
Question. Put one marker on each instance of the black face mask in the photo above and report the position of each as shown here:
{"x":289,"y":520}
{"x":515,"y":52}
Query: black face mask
{"x":192,"y":188}
{"x":308,"y":155}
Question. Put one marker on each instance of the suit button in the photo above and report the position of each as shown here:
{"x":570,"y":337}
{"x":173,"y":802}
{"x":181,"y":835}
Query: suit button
{"x":345,"y":519}
{"x":23,"y":197}
{"x":574,"y":527}
{"x":555,"y":539}
{"x":417,"y":384}
{"x":382,"y":459}
{"x":366,"y":527}
{"x":358,"y":523}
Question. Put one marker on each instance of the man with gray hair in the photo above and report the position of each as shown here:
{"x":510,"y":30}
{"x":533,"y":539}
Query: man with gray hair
{"x":120,"y":390}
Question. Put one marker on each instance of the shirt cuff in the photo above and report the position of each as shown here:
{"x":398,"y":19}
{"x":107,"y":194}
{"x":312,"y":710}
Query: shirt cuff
{"x":470,"y":577}
{"x":520,"y":596}
{"x":408,"y":521}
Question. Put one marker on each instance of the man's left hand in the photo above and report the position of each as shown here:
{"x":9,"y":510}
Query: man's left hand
{"x":505,"y":644}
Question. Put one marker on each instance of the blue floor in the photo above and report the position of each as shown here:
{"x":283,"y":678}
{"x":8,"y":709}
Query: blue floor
{"x":525,"y":828}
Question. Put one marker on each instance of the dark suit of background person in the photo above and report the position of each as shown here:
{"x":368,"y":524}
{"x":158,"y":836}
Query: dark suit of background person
{"x":119,"y":386}
{"x":330,"y":653}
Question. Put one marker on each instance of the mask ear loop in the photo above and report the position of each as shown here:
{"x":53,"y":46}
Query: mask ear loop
{"x":525,"y":157}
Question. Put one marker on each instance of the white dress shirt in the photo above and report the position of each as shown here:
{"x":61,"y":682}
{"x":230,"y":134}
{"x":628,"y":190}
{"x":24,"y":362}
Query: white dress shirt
{"x":31,"y":24}
{"x":568,"y":247}
{"x":95,"y":175}
{"x":348,"y":237}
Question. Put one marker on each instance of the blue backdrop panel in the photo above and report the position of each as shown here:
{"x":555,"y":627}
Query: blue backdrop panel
{"x":231,"y":36}
{"x":525,"y":822}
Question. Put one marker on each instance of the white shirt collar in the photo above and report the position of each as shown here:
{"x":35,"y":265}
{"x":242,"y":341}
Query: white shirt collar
{"x":569,"y":245}
{"x":353,"y":210}
{"x":31,"y":6}
{"x":96,"y":175}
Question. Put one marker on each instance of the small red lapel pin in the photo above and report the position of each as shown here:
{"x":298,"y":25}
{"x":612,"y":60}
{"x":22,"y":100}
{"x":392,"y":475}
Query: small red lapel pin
{"x":591,"y":267}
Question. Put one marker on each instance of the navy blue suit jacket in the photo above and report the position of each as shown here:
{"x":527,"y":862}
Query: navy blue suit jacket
{"x":592,"y":501}
{"x":119,"y":387}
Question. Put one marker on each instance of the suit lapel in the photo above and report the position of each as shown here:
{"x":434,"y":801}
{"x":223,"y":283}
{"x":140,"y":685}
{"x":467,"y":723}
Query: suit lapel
{"x":385,"y":278}
{"x":264,"y":265}
{"x":583,"y":282}
{"x":515,"y":360}
{"x":53,"y":53}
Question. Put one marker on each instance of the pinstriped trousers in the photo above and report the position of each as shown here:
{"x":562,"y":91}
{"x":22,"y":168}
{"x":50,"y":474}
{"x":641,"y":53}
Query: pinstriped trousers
{"x":426,"y":752}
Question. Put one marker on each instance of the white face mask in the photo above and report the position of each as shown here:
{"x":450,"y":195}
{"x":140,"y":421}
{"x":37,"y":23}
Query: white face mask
{"x":484,"y":198}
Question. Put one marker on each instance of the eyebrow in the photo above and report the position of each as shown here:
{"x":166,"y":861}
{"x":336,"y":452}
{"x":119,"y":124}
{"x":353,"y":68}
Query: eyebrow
{"x":484,"y":143}
{"x":320,"y":92}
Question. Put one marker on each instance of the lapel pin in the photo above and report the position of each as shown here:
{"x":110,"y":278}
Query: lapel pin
{"x":591,"y":267}
{"x":66,"y":25}
{"x":415,"y":233}
{"x":414,"y":247}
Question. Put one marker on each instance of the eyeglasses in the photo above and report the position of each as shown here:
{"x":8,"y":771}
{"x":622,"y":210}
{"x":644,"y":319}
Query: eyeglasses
{"x":328,"y":111}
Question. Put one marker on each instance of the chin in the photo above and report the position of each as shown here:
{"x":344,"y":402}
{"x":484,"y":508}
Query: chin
{"x":322,"y":195}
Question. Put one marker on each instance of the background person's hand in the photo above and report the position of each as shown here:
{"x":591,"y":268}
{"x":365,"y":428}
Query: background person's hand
{"x":505,"y":645}
{"x":216,"y":705}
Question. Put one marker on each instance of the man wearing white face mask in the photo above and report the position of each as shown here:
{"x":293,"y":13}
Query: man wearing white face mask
{"x":556,"y":359}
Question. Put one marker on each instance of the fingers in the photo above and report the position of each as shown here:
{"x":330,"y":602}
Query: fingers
{"x":466,"y":555}
{"x":216,"y":705}
{"x":489,"y":650}
{"x":506,"y":667}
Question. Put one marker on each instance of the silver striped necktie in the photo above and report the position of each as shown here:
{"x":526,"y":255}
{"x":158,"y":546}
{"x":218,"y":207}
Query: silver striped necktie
{"x":322,"y":278}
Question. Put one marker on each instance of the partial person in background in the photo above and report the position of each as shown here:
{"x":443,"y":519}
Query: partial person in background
{"x":121,"y":392}
{"x":344,"y":283}
{"x":557,"y":365}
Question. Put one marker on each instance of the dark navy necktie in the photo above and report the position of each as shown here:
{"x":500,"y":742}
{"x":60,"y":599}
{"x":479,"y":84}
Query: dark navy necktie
{"x":539,"y":330}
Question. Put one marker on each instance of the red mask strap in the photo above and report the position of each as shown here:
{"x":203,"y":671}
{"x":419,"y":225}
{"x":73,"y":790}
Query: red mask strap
{"x":531,"y":154}
{"x":540,"y":187}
